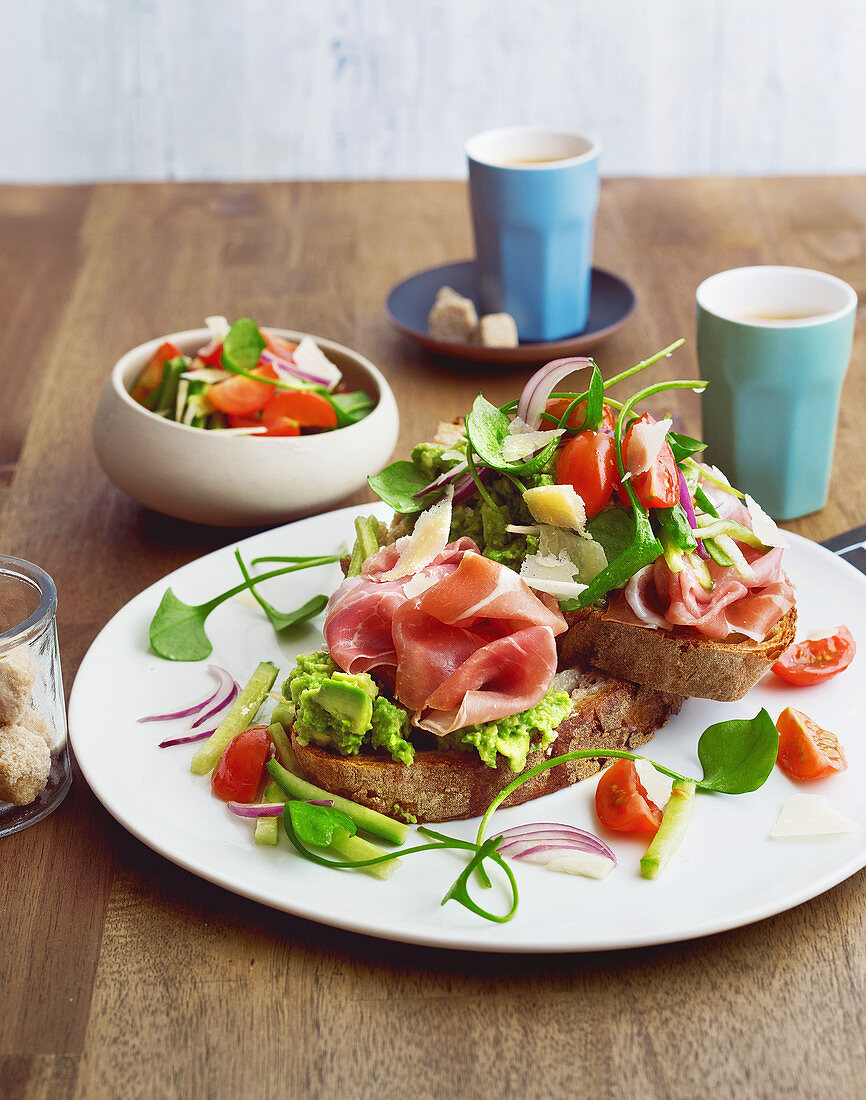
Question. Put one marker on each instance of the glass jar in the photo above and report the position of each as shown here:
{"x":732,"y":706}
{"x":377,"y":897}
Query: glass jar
{"x":35,"y":771}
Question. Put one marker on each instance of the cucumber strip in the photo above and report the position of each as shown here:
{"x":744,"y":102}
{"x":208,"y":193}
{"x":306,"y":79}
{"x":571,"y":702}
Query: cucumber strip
{"x":180,"y":401}
{"x":285,"y":753}
{"x":153,"y":400}
{"x":673,"y":555}
{"x":369,"y":820}
{"x":734,"y":530}
{"x":675,"y":821}
{"x":284,"y":713}
{"x":717,"y":553}
{"x":168,"y":397}
{"x":241,"y":715}
{"x":355,"y":847}
{"x":268,"y":828}
{"x":741,"y":566}
{"x":702,"y":572}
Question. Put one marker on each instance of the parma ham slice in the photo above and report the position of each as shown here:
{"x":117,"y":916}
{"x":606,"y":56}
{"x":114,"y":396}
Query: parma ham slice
{"x":474,"y":645}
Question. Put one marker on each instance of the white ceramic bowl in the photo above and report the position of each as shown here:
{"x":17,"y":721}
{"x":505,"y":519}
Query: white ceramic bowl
{"x":231,"y":480}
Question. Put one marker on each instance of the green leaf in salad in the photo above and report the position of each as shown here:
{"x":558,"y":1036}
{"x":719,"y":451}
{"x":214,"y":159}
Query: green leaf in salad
{"x":683,"y":446}
{"x":594,"y":405}
{"x":613,"y":529}
{"x":243,"y":345}
{"x":283,"y":620}
{"x":738,"y":755}
{"x":397,"y":485}
{"x":316,"y":824}
{"x":676,"y":523}
{"x":351,"y":407}
{"x":177,"y":630}
{"x":487,"y":430}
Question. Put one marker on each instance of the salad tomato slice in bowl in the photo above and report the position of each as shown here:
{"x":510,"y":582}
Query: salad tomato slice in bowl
{"x":232,"y":479}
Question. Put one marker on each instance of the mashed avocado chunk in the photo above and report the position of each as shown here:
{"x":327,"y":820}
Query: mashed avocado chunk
{"x":517,"y":735}
{"x":343,"y":711}
{"x":346,"y":712}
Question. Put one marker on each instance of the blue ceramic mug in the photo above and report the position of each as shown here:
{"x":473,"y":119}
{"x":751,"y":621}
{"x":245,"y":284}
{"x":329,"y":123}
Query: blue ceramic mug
{"x":534,"y":193}
{"x":774,"y":344}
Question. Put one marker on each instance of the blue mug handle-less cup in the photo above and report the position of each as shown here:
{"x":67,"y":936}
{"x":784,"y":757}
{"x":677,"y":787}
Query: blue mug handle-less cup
{"x":774,"y":344}
{"x":534,"y":194}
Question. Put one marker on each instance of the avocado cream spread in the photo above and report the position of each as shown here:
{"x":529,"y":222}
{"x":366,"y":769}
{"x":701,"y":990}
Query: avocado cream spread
{"x":481,"y":522}
{"x":346,"y":712}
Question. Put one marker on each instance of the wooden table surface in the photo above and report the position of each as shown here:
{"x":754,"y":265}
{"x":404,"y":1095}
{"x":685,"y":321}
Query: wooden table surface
{"x":124,"y":976}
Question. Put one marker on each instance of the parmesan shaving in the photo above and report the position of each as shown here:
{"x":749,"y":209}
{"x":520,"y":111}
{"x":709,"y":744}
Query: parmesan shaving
{"x":763,"y":526}
{"x":810,"y":815}
{"x":219,"y":328}
{"x":516,"y":448}
{"x":417,"y":584}
{"x":557,"y":576}
{"x":310,"y":358}
{"x":558,"y":505}
{"x":429,"y":538}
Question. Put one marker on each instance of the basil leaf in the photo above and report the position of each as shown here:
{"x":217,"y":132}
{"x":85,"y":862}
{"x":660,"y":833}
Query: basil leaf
{"x":243,"y":345}
{"x":397,"y":485}
{"x":316,"y":824}
{"x":351,"y":407}
{"x":683,"y":446}
{"x":737,"y":756}
{"x":487,"y":430}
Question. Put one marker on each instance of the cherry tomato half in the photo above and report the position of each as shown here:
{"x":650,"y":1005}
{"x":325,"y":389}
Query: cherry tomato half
{"x":238,"y":775}
{"x":806,"y":751}
{"x":817,"y":657}
{"x":588,"y":463}
{"x":151,"y":376}
{"x":557,"y":406}
{"x":290,"y":410}
{"x":621,"y":801}
{"x":241,"y":395}
{"x":212,"y":354}
{"x":659,"y":485}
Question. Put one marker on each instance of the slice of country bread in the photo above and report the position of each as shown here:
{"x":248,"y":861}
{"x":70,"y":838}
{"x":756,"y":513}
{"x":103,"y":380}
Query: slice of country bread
{"x":678,"y":660}
{"x":446,"y":785}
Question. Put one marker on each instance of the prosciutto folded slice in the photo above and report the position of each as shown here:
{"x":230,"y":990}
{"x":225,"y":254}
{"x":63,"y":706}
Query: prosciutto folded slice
{"x":473,"y":645}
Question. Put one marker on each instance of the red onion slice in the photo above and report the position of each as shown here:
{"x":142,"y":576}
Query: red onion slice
{"x":187,"y":739}
{"x":526,"y":838}
{"x":214,"y":670}
{"x":540,"y":386}
{"x":443,"y":479}
{"x":270,"y":809}
{"x":689,"y":509}
{"x":466,"y":487}
{"x":226,"y":694}
{"x":284,"y":367}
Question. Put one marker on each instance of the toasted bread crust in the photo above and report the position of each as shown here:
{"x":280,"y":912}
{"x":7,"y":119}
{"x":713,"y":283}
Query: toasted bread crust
{"x":447,"y":785}
{"x":678,"y":660}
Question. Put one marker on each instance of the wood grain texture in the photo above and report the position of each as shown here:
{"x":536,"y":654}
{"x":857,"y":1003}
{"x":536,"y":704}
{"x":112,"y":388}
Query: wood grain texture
{"x":124,"y":976}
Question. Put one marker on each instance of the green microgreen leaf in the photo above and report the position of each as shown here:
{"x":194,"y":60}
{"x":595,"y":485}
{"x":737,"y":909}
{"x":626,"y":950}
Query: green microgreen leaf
{"x":594,"y":404}
{"x":351,"y":407}
{"x":316,"y":824}
{"x":177,"y":629}
{"x":487,"y":430}
{"x":243,"y":345}
{"x":738,"y":755}
{"x":683,"y":446}
{"x":704,"y":502}
{"x":282,"y":620}
{"x":397,"y":485}
{"x":459,"y":890}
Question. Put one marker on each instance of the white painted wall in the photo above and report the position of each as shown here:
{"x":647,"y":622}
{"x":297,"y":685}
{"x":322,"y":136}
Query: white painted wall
{"x":247,"y":89}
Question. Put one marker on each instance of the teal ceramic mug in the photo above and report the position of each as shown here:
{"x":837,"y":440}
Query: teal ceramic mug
{"x":774,"y":344}
{"x":534,"y":194}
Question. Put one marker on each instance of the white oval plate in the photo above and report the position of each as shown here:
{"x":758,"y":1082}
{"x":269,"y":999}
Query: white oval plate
{"x":728,"y":872}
